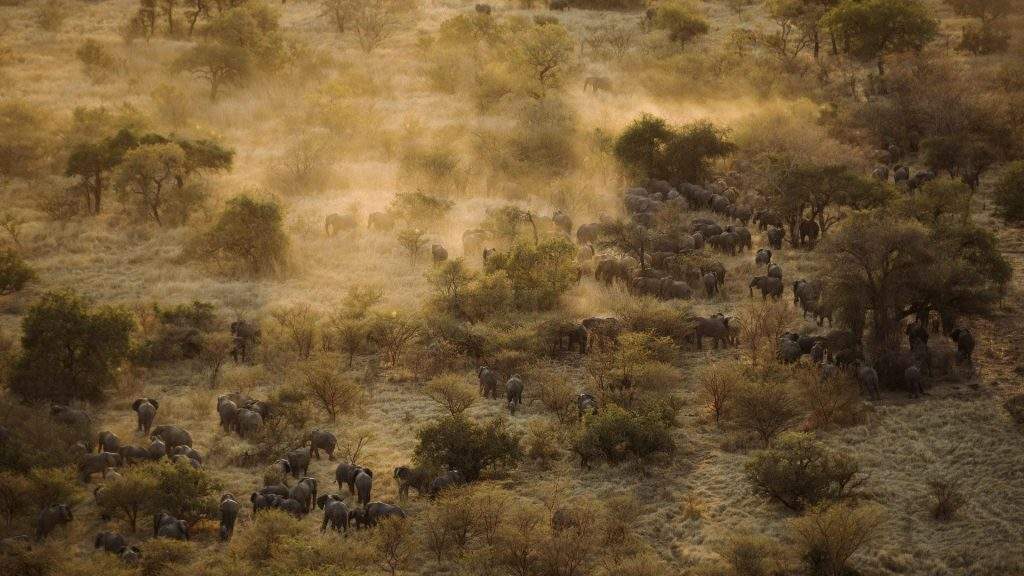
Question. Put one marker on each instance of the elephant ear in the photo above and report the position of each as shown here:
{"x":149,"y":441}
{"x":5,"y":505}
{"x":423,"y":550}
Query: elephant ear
{"x":98,"y":541}
{"x":138,"y":402}
{"x":154,"y":403}
{"x":322,"y":500}
{"x":368,"y":472}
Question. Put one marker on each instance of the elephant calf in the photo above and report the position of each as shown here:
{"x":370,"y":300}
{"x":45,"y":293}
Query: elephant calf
{"x":321,"y":440}
{"x":51,"y":517}
{"x":368,"y":516}
{"x":298,"y":460}
{"x":145,"y":409}
{"x":172,"y":436}
{"x":97,"y":464}
{"x":417,"y":478}
{"x":336,"y":512}
{"x":112,"y":542}
{"x":167,"y":526}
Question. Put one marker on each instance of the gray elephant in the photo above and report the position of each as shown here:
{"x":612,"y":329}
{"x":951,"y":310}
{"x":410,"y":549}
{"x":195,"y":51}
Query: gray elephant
{"x":299,"y":459}
{"x":167,"y":526}
{"x":763,"y":257}
{"x":563,"y":222}
{"x":130,"y":555}
{"x":913,"y":379}
{"x":818,"y":351}
{"x":145,"y":411}
{"x":368,"y":516}
{"x":335,"y":223}
{"x":900,"y":174}
{"x":647,"y":285}
{"x":604,"y":331}
{"x":187,"y":452}
{"x":107,"y":442}
{"x":715,"y":327}
{"x":73,"y":417}
{"x":157,"y":450}
{"x":228,"y":412}
{"x":809,"y":232}
{"x":321,"y":440}
{"x":964,"y":346}
{"x":788,"y":350}
{"x":775,"y":271}
{"x":97,"y":464}
{"x":112,"y":542}
{"x":766,"y":219}
{"x":438,"y":253}
{"x":263,"y":501}
{"x":768,"y":286}
{"x":51,"y":517}
{"x":245,"y":335}
{"x":868,"y":378}
{"x":514,"y":393}
{"x":182,"y":459}
{"x":291,"y":506}
{"x":249,"y":422}
{"x":744,"y":241}
{"x":363,"y":482}
{"x":488,"y":382}
{"x":172,"y":436}
{"x":586,"y":403}
{"x":881,"y":173}
{"x":724,"y":242}
{"x":675,"y":289}
{"x":133,"y":454}
{"x":408,"y":477}
{"x":698,"y":240}
{"x":588,"y":233}
{"x":345,"y":473}
{"x":743,"y":214}
{"x":446,"y":480}
{"x":335,"y":512}
{"x":304,"y":491}
{"x":717,"y":268}
{"x":609,"y":269}
{"x":710,"y":281}
{"x":775,"y":236}
{"x":594,"y":83}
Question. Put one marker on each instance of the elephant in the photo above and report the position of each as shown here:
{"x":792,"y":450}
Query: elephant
{"x":145,"y":410}
{"x":130,"y":555}
{"x":674,"y":289}
{"x":809,"y":232}
{"x":335,"y":223}
{"x":698,"y":240}
{"x":483,"y":9}
{"x":743,"y":214}
{"x":418,"y":478}
{"x":438,"y":253}
{"x":97,"y":464}
{"x":724,"y":242}
{"x":291,"y":506}
{"x":321,"y":440}
{"x":380,"y":221}
{"x":304,"y":492}
{"x":108,"y":442}
{"x":298,"y":459}
{"x":563,"y":221}
{"x":768,"y":285}
{"x":719,"y":203}
{"x":710,"y":281}
{"x":514,"y":393}
{"x":249,"y":422}
{"x":157,"y":449}
{"x":51,"y":517}
{"x":744,"y":241}
{"x":335,"y":512}
{"x":715,"y":327}
{"x":919,"y":179}
{"x":277,"y":472}
{"x":586,"y":403}
{"x":72,"y":417}
{"x":167,"y":526}
{"x":763,"y":257}
{"x":172,"y":436}
{"x":912,"y":378}
{"x":228,"y":412}
{"x":841,"y":340}
{"x":881,"y":173}
{"x":647,"y":285}
{"x":263,"y":501}
{"x":597,"y":83}
{"x":188,"y":452}
{"x":488,"y":382}
{"x":110,"y":542}
{"x":228,"y":514}
{"x":775,"y":271}
{"x":363,"y":482}
{"x":766,"y":219}
{"x":588,"y":233}
{"x":717,"y":268}
{"x":131,"y":454}
{"x":609,"y":269}
{"x":788,"y":350}
{"x":818,"y":352}
{"x":775,"y":236}
{"x":964,"y":346}
{"x":374,"y":512}
{"x":276,"y":489}
{"x":900,"y":174}
{"x":488,"y":254}
{"x":846,"y":357}
{"x":346,"y":473}
{"x":602,"y":330}
{"x":868,"y":378}
{"x":245,"y":335}
{"x":181,"y":458}
{"x":446,"y":480}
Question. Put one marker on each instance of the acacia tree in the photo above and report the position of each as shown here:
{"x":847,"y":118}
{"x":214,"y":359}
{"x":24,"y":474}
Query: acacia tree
{"x":544,"y":53}
{"x":872,"y":29}
{"x":248,"y":233}
{"x":219,"y":64}
{"x":150,"y":173}
{"x":374,"y":21}
{"x":94,"y":162}
{"x":651,"y":148}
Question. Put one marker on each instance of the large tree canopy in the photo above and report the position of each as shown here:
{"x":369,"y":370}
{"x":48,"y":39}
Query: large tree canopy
{"x":870,"y":29}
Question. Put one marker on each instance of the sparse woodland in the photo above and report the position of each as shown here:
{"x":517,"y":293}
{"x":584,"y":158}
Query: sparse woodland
{"x":523,"y":288}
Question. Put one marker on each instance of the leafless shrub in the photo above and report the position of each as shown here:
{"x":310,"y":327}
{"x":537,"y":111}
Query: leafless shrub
{"x":947,"y":498}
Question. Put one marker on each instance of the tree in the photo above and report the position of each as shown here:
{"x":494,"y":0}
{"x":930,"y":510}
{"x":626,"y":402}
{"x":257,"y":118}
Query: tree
{"x":220,"y":65}
{"x":456,"y":443}
{"x":650,"y":148}
{"x":334,"y":393}
{"x":392,"y":333}
{"x":765,"y":408}
{"x":872,"y":29}
{"x":374,"y":21}
{"x":544,"y":53}
{"x":24,"y":140}
{"x":829,"y":535}
{"x":1008,"y":192}
{"x":131,"y":495}
{"x":412,"y":241}
{"x":394,"y":543}
{"x":150,"y":173}
{"x":681,"y":20}
{"x":249,"y":234}
{"x":339,"y":12}
{"x":301,"y":324}
{"x":451,"y":393}
{"x":14,"y":488}
{"x":15,"y":274}
{"x":538,"y":275}
{"x":70,"y":350}
{"x":630,"y":237}
{"x":94,"y":162}
{"x":798,"y":471}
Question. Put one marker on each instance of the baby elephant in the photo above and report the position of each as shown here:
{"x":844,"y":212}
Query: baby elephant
{"x":167,"y":526}
{"x":98,"y":464}
{"x":112,"y":542}
{"x":514,"y":393}
{"x":321,"y":440}
{"x":335,"y":512}
{"x":145,"y":409}
{"x":51,"y":517}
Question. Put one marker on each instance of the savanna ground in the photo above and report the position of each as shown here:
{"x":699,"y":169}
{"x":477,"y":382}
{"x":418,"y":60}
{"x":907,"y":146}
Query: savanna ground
{"x":338,"y":130}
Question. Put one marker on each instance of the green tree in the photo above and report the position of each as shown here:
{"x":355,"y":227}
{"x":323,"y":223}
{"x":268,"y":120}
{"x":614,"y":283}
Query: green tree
{"x":132,"y":495}
{"x":871,"y":29}
{"x":650,"y":148}
{"x":538,"y":275}
{"x":456,"y":443}
{"x":1008,"y":192}
{"x":799,"y":471}
{"x":220,"y":65}
{"x":15,"y":274}
{"x":544,"y":53}
{"x":149,"y":175}
{"x":94,"y":162}
{"x":248,"y":234}
{"x":681,"y":20}
{"x":70,"y":350}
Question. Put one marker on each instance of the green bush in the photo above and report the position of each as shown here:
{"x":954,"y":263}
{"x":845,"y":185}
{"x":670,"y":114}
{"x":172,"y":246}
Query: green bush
{"x":459,"y":444}
{"x":613,"y":433}
{"x":680,"y":20}
{"x":985,"y":38}
{"x":15,"y":274}
{"x":69,"y":350}
{"x":35,"y":440}
{"x":248,"y":237}
{"x":178,"y":335}
{"x":538,"y":274}
{"x":651,"y":148}
{"x":799,"y":471}
{"x":1009,"y":192}
{"x":185,"y":492}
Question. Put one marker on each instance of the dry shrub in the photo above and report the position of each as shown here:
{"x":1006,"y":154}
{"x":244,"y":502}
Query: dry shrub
{"x":54,"y":486}
{"x":14,"y":489}
{"x":748,"y":554}
{"x":829,"y":401}
{"x":306,"y":166}
{"x":717,"y":385}
{"x":392,"y":334}
{"x":452,"y":393}
{"x":541,"y":443}
{"x":662,"y":318}
{"x":162,"y":554}
{"x":765,"y":407}
{"x":551,"y":385}
{"x":947,"y":498}
{"x":799,"y":471}
{"x":301,"y":325}
{"x":828,"y":536}
{"x":260,"y":542}
{"x":329,"y":390}
{"x":762,"y":323}
{"x":395,"y":544}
